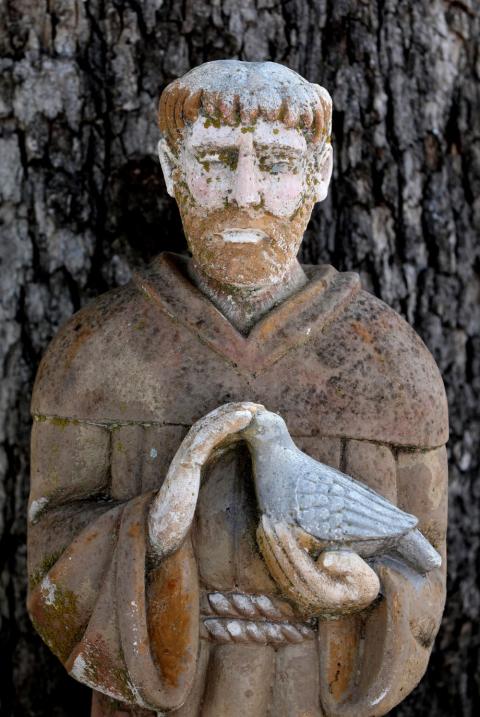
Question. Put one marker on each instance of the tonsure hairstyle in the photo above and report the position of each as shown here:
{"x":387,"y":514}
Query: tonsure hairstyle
{"x":233,"y":92}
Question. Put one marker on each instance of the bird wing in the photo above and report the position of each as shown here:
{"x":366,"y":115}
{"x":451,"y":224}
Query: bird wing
{"x":333,"y":506}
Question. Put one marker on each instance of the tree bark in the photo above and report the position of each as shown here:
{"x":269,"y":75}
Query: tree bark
{"x":84,"y":203}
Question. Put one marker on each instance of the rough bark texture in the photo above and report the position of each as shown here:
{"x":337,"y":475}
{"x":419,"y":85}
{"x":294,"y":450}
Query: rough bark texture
{"x":85,"y":202}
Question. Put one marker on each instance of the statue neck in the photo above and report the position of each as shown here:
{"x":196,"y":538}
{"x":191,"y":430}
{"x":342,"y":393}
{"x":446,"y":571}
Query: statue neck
{"x":244,"y":306}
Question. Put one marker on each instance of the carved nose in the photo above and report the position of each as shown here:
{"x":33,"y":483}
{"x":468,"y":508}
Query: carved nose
{"x":245,"y":190}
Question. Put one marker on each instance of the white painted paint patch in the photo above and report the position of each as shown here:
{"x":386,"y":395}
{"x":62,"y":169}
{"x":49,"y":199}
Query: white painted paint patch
{"x":379,"y":698}
{"x":49,"y":591}
{"x":81,"y":671}
{"x":79,"y":668}
{"x":36,"y":508}
{"x":243,"y":236}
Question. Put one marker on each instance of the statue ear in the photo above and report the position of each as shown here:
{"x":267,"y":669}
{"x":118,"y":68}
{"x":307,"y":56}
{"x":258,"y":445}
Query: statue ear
{"x":168,"y":162}
{"x":324,"y":172}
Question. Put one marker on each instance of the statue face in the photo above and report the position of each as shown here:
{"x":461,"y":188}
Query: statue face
{"x":245,"y":195}
{"x":259,"y":169}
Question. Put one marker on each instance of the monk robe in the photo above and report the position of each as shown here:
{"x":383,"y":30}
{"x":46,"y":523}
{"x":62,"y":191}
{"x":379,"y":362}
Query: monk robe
{"x":206,"y":631}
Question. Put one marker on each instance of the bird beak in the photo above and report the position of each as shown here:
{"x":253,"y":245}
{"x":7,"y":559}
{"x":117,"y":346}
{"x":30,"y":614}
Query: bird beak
{"x":250,"y":430}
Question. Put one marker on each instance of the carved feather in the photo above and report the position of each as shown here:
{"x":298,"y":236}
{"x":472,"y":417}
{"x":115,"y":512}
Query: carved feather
{"x":329,"y":505}
{"x":333,"y":506}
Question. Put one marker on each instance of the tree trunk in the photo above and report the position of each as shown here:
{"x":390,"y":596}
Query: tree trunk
{"x":85,"y":203}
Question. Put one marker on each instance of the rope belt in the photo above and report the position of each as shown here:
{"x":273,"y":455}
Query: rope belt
{"x":236,"y":617}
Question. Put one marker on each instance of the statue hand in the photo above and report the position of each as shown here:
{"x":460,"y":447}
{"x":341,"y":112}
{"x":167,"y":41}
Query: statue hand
{"x":214,"y":429}
{"x":338,"y":583}
{"x":172,"y":509}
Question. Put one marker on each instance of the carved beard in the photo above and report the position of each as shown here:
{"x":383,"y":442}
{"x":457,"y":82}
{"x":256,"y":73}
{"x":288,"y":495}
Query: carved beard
{"x":242,"y":264}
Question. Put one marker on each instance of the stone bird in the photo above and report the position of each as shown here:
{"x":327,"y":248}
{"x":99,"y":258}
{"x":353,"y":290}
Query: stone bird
{"x":337,"y":510}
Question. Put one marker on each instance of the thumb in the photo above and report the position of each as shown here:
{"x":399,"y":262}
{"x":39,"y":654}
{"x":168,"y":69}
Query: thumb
{"x":348,"y":568}
{"x":344,"y":563}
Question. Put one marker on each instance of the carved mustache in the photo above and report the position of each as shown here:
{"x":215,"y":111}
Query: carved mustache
{"x":224,"y":221}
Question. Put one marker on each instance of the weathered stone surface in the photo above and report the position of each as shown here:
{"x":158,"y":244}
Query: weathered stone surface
{"x":374,"y":465}
{"x":405,"y":215}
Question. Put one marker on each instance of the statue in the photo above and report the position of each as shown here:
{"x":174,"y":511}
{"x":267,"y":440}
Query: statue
{"x":238,"y":499}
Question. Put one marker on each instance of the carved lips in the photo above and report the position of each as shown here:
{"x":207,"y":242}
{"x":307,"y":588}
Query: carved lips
{"x":243,"y":236}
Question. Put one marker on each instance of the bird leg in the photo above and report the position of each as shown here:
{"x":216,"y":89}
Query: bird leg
{"x":338,"y":583}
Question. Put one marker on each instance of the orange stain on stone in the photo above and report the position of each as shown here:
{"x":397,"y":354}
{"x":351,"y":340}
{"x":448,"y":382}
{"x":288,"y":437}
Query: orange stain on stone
{"x":80,"y":335}
{"x":342,"y":657}
{"x":361,"y":331}
{"x":368,"y":338}
{"x":134,"y":530}
{"x":172,"y":616}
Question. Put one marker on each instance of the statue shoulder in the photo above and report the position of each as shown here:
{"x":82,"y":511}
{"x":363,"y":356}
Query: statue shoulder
{"x":387,"y":375}
{"x":83,"y":349}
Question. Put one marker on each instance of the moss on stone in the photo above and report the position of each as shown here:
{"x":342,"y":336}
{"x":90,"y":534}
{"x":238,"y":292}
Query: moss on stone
{"x":47,"y":564}
{"x":63,"y":422}
{"x":212,"y":122}
{"x":58,"y":625}
{"x":229,"y":157}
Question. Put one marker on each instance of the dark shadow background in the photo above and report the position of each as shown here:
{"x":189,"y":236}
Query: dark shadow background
{"x":84,"y":203}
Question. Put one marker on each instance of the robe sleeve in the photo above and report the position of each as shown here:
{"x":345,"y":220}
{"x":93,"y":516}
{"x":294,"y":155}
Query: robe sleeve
{"x":120,"y":624}
{"x":372,"y":660}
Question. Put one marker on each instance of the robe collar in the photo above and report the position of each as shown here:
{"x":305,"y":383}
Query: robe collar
{"x":287,"y":326}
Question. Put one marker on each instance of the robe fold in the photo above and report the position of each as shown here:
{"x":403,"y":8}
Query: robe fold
{"x":115,"y":394}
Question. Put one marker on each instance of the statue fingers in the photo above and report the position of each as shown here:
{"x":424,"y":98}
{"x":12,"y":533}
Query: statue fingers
{"x":342,"y":576}
{"x":348,"y":567}
{"x":269,"y":550}
{"x":344,"y":563}
{"x":331,"y":594}
{"x":211,"y":430}
{"x":173,"y":508}
{"x":339,"y":583}
{"x":280,"y":567}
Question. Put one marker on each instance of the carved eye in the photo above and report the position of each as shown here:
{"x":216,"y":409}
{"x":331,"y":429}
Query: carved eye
{"x":280,"y":167}
{"x":223,"y":159}
{"x":209,"y":162}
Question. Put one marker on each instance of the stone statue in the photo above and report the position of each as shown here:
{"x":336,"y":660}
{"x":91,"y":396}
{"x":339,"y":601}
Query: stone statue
{"x":238,"y":499}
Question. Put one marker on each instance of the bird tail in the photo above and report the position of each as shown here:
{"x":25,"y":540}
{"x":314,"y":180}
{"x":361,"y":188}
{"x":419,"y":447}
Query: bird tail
{"x":416,"y":549}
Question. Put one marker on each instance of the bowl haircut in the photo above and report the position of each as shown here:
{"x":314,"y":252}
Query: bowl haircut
{"x":233,"y":92}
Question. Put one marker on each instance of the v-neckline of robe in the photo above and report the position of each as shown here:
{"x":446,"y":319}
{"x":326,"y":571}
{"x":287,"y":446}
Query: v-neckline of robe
{"x":286,"y":326}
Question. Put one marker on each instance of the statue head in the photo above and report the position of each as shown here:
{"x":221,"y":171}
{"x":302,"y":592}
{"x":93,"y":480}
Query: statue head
{"x":245,"y":151}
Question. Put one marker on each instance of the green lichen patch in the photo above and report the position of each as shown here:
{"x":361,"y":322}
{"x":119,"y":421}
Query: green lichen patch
{"x":260,"y":204}
{"x":55,"y":420}
{"x":229,"y":158}
{"x":45,"y":566}
{"x":56,"y":618}
{"x":212,"y":122}
{"x":119,"y":446}
{"x":205,"y":164}
{"x":102,"y":668}
{"x":63,"y":422}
